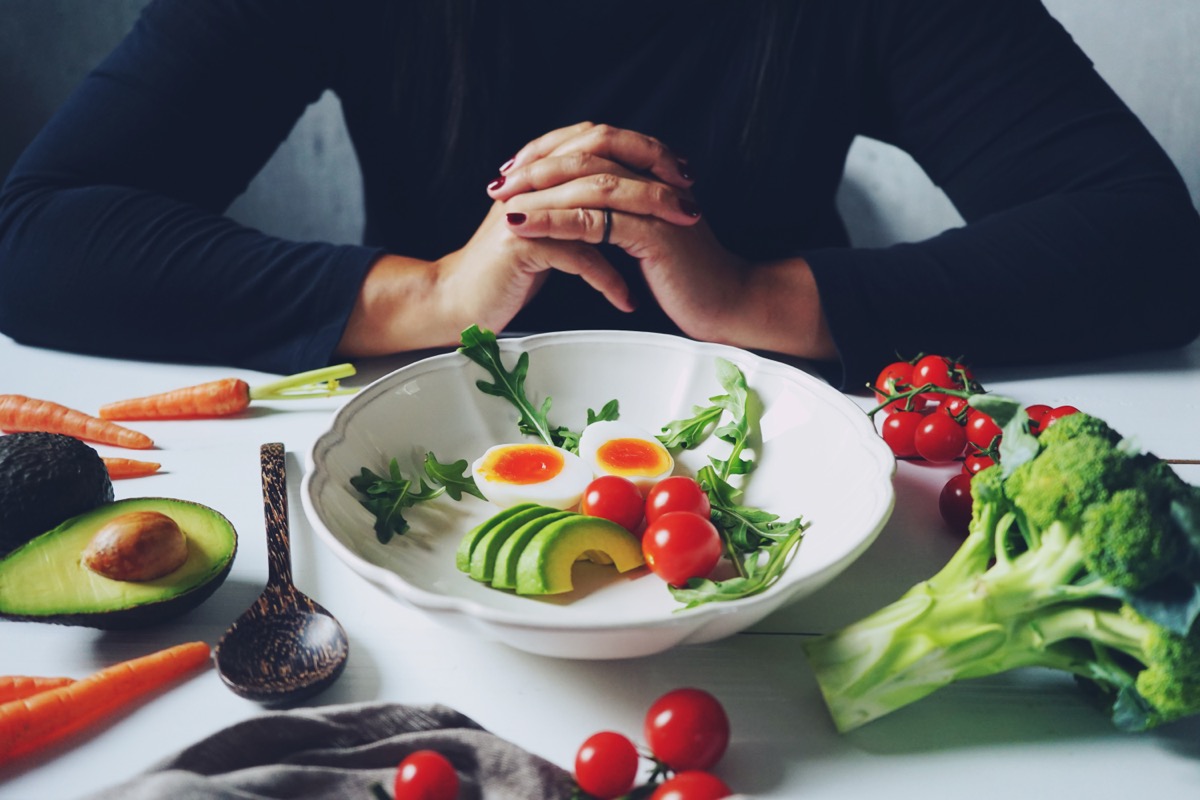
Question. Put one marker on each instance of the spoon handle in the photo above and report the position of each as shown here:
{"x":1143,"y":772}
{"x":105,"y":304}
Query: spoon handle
{"x":275,"y":509}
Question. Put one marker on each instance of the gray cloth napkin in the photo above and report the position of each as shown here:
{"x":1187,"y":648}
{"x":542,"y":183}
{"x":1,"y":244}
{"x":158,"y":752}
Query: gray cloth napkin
{"x":339,"y":752}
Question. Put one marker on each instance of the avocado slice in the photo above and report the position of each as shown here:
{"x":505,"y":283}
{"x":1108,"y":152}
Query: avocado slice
{"x":462,"y":556}
{"x":45,"y":581}
{"x":483,"y":554}
{"x":546,"y":561}
{"x":46,"y":478}
{"x":504,"y":572}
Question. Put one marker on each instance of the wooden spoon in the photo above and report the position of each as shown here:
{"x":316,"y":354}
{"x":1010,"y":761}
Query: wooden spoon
{"x":285,"y":647}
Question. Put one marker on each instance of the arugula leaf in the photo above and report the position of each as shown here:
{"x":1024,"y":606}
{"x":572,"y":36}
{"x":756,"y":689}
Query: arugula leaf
{"x":481,"y":347}
{"x":388,"y":497}
{"x":736,"y":401}
{"x":452,"y":477}
{"x":761,"y":573}
{"x":758,"y":543}
{"x":568,"y":439}
{"x":687,"y":433}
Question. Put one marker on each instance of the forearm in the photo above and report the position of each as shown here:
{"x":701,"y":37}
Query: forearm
{"x":126,"y":273}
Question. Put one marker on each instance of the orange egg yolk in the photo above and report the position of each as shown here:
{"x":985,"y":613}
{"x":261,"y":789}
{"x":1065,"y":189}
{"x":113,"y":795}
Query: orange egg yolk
{"x":632,"y":457}
{"x":523,"y":464}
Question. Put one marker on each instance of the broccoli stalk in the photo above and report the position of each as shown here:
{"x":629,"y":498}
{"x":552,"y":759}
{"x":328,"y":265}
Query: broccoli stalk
{"x":1082,"y":556}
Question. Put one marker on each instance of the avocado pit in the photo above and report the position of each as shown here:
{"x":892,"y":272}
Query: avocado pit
{"x":137,"y":546}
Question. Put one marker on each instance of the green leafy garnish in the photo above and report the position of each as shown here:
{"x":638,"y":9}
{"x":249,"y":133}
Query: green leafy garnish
{"x":568,"y":439}
{"x":387,"y":498}
{"x":481,"y":347}
{"x":758,"y":543}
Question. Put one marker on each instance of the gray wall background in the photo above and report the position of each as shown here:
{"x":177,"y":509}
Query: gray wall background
{"x":311,"y":190}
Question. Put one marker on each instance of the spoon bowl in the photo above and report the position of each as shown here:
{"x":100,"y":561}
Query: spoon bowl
{"x":286,"y":646}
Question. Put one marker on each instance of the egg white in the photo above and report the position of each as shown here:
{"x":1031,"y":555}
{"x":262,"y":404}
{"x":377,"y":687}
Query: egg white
{"x":598,"y":434}
{"x":563,"y":491}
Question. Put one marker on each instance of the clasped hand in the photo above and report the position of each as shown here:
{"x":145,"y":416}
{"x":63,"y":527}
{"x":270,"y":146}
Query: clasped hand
{"x":549,"y":213}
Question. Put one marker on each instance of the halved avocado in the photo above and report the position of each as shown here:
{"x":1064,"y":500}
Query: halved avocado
{"x":462,"y":556}
{"x":546,"y":561}
{"x":483,"y":555}
{"x":504,"y":571}
{"x":45,"y":580}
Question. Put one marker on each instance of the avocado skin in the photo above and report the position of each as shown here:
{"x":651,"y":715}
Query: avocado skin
{"x":146,"y":614}
{"x":46,"y":478}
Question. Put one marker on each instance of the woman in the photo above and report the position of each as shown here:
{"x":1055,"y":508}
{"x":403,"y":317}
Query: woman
{"x":698,"y":198}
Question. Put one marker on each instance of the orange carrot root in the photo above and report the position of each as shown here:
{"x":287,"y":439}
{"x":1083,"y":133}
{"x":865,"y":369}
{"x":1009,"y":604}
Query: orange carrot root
{"x":33,"y":723}
{"x":218,"y":398}
{"x":17,"y":687}
{"x":19,"y":414}
{"x":129,"y":467}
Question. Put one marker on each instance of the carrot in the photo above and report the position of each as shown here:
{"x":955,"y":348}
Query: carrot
{"x":16,"y":687}
{"x":19,"y":413}
{"x":129,"y":467}
{"x":33,"y":723}
{"x":227,"y":396}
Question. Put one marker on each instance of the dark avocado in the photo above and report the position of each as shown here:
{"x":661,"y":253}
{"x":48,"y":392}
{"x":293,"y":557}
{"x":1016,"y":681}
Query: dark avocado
{"x":44,"y":580}
{"x":46,"y":478}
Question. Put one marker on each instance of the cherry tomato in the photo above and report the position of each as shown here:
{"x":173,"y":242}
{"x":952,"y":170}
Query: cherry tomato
{"x":1036,"y":413}
{"x":935,"y":370}
{"x":680,"y":545}
{"x":614,"y":498}
{"x":687,"y":729}
{"x":692,"y":785}
{"x":426,"y":775}
{"x":954,"y":503}
{"x":1054,"y":415}
{"x":898,"y":430}
{"x":939,"y":439}
{"x":606,"y":765}
{"x":676,"y":493}
{"x":894,"y":378}
{"x":982,"y":430}
{"x":956,"y":407}
{"x":975,"y":461}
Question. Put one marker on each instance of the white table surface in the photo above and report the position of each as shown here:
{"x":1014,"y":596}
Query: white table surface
{"x":1027,"y":734}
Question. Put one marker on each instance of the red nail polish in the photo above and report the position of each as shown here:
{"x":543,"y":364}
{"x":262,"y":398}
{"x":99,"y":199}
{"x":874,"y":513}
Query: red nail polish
{"x":684,"y":172}
{"x":689,"y":207}
{"x":496,"y":184}
{"x":515,"y":218}
{"x":507,"y":165}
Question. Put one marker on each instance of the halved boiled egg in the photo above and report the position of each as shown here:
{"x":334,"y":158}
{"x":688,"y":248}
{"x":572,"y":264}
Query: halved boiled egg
{"x":613,"y":447}
{"x":508,"y":474}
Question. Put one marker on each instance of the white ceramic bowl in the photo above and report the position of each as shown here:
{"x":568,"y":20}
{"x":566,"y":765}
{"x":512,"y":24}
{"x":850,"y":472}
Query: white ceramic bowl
{"x":820,"y":458}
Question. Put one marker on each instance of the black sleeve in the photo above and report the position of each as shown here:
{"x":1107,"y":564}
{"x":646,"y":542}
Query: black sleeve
{"x":112,"y":234}
{"x":1081,"y":240}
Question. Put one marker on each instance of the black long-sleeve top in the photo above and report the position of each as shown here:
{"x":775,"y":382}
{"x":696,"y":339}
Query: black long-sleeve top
{"x":1080,"y":240}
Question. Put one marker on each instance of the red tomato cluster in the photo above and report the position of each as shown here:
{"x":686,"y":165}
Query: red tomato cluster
{"x":679,"y":541}
{"x":928,"y":418}
{"x":686,"y":731}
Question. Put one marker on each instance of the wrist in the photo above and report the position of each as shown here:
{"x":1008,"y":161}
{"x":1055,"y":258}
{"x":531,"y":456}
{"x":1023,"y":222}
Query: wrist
{"x":780,"y":311}
{"x":396,"y":310}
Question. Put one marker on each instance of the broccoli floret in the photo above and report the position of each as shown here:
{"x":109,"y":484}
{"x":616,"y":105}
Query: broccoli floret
{"x":1083,"y":558}
{"x":1125,"y":545}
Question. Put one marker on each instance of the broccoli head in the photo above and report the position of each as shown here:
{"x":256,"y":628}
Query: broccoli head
{"x":1083,"y":555}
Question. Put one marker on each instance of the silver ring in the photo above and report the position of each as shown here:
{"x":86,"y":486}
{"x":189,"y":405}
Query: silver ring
{"x":607,"y":226}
